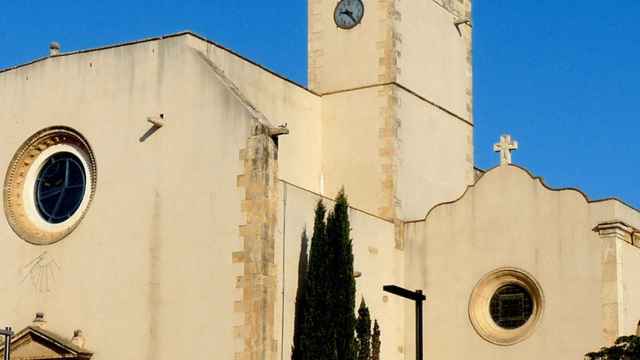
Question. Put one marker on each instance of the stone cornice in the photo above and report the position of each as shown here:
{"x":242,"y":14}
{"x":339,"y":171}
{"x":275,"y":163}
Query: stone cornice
{"x":620,"y":230}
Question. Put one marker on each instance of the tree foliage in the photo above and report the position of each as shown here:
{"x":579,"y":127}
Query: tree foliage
{"x":625,"y":348}
{"x":344,"y":286}
{"x":363,"y":332}
{"x":325,"y":321}
{"x":375,"y":341}
{"x":301,"y":303}
{"x":319,"y":343}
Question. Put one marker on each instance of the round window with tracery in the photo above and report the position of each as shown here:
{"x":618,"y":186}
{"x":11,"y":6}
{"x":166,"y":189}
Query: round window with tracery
{"x":511,"y":306}
{"x":49,"y":185}
{"x":60,"y":187}
{"x":506,"y":306}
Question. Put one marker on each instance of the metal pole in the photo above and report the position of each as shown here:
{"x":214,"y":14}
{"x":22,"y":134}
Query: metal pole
{"x":7,"y":342}
{"x":419,"y":326}
{"x":418,"y":297}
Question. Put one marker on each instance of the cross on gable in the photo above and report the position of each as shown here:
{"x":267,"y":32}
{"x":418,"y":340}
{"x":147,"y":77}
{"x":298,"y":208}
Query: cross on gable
{"x":505,"y":147}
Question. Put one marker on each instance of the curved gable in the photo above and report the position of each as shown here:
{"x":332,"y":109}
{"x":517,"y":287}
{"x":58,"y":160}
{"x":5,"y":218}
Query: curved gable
{"x":500,"y":175}
{"x":510,"y":219}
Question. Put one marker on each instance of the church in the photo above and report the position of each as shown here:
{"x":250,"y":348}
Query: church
{"x":155,"y":193}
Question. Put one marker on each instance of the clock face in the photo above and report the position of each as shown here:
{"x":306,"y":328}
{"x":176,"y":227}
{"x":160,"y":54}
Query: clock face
{"x":348,"y":13}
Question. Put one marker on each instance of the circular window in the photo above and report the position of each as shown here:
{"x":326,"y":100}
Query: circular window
{"x":60,"y":187}
{"x":49,"y":185}
{"x":511,"y":306}
{"x":505,"y":306}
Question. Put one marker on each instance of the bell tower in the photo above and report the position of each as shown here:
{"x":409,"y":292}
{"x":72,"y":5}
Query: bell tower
{"x":397,"y":101}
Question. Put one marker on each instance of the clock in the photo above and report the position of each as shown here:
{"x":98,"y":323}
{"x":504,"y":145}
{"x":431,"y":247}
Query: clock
{"x":348,"y":13}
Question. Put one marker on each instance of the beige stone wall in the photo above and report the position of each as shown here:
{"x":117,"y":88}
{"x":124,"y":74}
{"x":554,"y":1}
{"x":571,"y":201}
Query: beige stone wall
{"x":620,"y":256}
{"x":256,"y":272}
{"x":435,"y":156}
{"x":375,"y":256}
{"x":508,"y":219}
{"x":395,"y":154}
{"x":434,"y":56}
{"x":413,"y":43}
{"x":282,"y":102}
{"x":355,"y":150}
{"x":612,"y":239}
{"x":148,"y":273}
{"x":396,"y":87}
{"x":347,"y":59}
{"x":631,"y":288}
{"x":608,"y":210}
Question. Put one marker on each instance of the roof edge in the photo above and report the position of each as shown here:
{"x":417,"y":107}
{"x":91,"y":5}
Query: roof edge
{"x":158,"y":38}
{"x":51,"y":336}
{"x":533,"y":177}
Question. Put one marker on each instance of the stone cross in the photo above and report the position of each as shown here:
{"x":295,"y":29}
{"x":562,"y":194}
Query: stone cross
{"x":505,"y":147}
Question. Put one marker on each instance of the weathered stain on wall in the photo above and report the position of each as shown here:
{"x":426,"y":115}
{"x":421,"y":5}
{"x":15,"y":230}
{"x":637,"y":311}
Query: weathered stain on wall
{"x":388,"y":151}
{"x":155,"y":264}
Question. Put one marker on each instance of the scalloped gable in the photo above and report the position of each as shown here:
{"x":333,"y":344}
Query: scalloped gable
{"x":602,"y":210}
{"x":495,"y":183}
{"x":508,"y":200}
{"x":511,"y":219}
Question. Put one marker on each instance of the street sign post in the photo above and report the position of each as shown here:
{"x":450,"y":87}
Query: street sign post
{"x":8,"y":334}
{"x":418,"y":297}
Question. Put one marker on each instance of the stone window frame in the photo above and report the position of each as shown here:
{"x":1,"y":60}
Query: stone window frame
{"x":479,"y":313}
{"x":19,"y":203}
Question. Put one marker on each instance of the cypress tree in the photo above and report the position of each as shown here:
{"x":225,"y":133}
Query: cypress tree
{"x":363,"y":331}
{"x":319,"y":343}
{"x":375,"y":342}
{"x":344,"y":286}
{"x":301,"y":302}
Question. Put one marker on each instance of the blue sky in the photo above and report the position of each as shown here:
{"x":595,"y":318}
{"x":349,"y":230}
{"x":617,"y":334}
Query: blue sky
{"x":562,"y":77}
